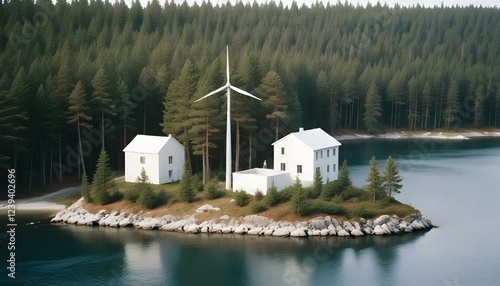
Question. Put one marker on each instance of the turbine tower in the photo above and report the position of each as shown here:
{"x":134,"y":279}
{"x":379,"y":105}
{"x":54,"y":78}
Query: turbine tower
{"x":228,"y":88}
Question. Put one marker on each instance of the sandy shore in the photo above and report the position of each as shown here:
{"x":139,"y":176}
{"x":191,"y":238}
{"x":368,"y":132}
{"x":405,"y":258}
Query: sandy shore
{"x":437,"y":135}
{"x":43,"y":203}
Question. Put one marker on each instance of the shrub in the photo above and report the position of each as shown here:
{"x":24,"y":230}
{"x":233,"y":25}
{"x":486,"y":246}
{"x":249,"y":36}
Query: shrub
{"x":132,"y":195}
{"x":147,"y":198}
{"x":86,"y":189}
{"x":328,"y":208}
{"x":299,"y":203}
{"x":197,"y":182}
{"x":272,"y":196}
{"x":353,"y":192}
{"x":241,"y":198}
{"x":285,"y":195}
{"x":330,"y":190}
{"x":259,"y":195}
{"x":258,"y":206}
{"x":361,"y":211}
{"x":211,"y":190}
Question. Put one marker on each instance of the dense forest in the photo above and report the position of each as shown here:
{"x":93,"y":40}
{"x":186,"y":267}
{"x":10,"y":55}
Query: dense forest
{"x":75,"y":78}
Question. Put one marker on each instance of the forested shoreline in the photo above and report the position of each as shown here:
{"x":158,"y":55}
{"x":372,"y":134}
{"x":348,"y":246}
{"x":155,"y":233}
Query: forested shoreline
{"x":99,"y":70}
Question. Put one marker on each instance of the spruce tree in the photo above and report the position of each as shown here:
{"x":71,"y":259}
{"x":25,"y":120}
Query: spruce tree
{"x":85,"y":189}
{"x":374,"y":180}
{"x":299,"y":203}
{"x":102,"y":98}
{"x":373,"y":109}
{"x":103,"y":182}
{"x":344,"y":179}
{"x":391,"y":179}
{"x":272,"y":196}
{"x":479,"y":106}
{"x":317,"y":185}
{"x":78,"y":108}
{"x":452,"y":105}
{"x":187,"y":192}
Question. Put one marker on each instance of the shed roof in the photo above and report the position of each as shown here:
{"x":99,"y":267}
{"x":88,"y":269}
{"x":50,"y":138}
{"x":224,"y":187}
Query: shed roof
{"x":316,"y":139}
{"x":148,"y":144}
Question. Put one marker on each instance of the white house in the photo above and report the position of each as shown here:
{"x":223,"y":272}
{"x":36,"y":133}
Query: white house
{"x":161,"y":156}
{"x":305,"y":152}
{"x":297,"y":154}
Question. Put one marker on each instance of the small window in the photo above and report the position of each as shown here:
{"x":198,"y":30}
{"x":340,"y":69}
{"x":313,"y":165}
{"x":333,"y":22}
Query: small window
{"x":334,"y":151}
{"x":283,"y":167}
{"x":170,"y":174}
{"x":321,"y":154}
{"x":317,"y":170}
{"x":335,"y":167}
{"x":282,"y":150}
{"x":328,"y":153}
{"x":299,"y":169}
{"x":143,"y":160}
{"x":316,"y":155}
{"x":170,"y":159}
{"x":328,"y":168}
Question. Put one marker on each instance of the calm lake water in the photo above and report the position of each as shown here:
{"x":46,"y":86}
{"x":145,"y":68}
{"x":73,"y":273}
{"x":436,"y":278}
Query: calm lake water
{"x":455,"y":183}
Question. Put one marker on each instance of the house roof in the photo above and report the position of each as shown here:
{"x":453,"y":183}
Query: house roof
{"x":148,"y":144}
{"x":316,"y":139}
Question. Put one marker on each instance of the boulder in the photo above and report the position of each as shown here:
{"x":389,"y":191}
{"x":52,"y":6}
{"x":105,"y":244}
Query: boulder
{"x":386,"y":229}
{"x":378,"y":230}
{"x":255,"y":230}
{"x":192,"y":228}
{"x":343,"y":232}
{"x":317,"y":223}
{"x":224,"y":217}
{"x":125,"y":222}
{"x":282,"y":231}
{"x":324,"y":232}
{"x":241,"y":229}
{"x":382,"y":219}
{"x":357,"y":232}
{"x":299,"y":232}
{"x":417,"y":224}
{"x":316,"y":232}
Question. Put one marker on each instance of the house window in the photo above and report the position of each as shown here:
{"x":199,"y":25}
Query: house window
{"x":335,"y":167}
{"x":170,"y":174}
{"x":328,"y":168}
{"x":282,"y":150}
{"x":143,"y":160}
{"x":316,"y":155}
{"x":317,"y":170}
{"x":283,"y":167}
{"x":299,"y":169}
{"x":170,"y":159}
{"x":334,"y":151}
{"x":328,"y":153}
{"x":321,"y":154}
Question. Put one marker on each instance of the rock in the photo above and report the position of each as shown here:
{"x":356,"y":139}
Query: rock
{"x":224,"y":217}
{"x":227,"y":229}
{"x":299,"y":232}
{"x":382,"y":219}
{"x":317,"y":223}
{"x":207,"y":208}
{"x":231,"y":200}
{"x":324,"y":232}
{"x":255,"y":230}
{"x":417,"y":224}
{"x":332,"y":232}
{"x":343,"y":232}
{"x":282,"y":231}
{"x":386,"y":229}
{"x":241,"y":229}
{"x":378,"y":230}
{"x":125,"y":222}
{"x":316,"y":232}
{"x":256,"y":220}
{"x":192,"y":228}
{"x":368,"y":230}
{"x":357,"y":232}
{"x":269,"y":232}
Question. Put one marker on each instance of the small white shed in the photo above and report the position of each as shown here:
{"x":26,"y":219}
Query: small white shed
{"x":258,"y":179}
{"x":305,"y":152}
{"x":161,"y":156}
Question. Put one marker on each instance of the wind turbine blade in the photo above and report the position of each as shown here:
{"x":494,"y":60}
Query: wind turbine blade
{"x":212,"y":93}
{"x":227,"y":62}
{"x":241,"y":91}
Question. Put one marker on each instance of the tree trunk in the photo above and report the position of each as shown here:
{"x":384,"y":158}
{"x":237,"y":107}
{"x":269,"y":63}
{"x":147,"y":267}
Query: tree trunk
{"x":250,"y":151}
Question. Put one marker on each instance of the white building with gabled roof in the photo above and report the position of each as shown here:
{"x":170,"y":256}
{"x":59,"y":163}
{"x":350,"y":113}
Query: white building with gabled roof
{"x":304,"y":153}
{"x":161,"y":156}
{"x":299,"y":154}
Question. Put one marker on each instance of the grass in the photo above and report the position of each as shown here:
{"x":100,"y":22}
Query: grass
{"x":352,"y":209}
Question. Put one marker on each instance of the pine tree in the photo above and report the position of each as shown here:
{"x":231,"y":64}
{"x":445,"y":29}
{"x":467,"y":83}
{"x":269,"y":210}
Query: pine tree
{"x":479,"y":106}
{"x":374,"y":180}
{"x":317,"y":185}
{"x":78,"y":108}
{"x":272,"y":196}
{"x":452,"y":105}
{"x":103,"y":182}
{"x":299,"y":203}
{"x":344,"y":178}
{"x":373,"y":109}
{"x":186,"y":193}
{"x":146,"y":196}
{"x":273,"y":94}
{"x":102,"y":98}
{"x":391,"y":179}
{"x":86,"y":189}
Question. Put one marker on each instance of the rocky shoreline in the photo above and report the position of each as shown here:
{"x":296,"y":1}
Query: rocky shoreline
{"x":250,"y":224}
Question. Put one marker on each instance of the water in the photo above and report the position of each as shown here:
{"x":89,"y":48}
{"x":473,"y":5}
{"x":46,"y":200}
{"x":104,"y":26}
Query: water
{"x":455,"y":183}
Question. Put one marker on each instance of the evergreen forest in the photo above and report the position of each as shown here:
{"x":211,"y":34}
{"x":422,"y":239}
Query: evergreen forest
{"x":83,"y":76}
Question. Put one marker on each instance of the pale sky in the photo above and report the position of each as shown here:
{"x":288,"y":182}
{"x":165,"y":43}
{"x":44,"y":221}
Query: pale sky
{"x":407,"y":3}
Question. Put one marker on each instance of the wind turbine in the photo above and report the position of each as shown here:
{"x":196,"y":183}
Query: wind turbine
{"x":228,"y":88}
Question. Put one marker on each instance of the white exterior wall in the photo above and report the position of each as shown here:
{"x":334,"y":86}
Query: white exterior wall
{"x":174,"y":149}
{"x":254,"y":180}
{"x":296,"y":153}
{"x":328,"y":163}
{"x":133,"y":167}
